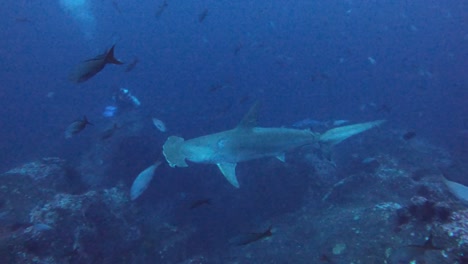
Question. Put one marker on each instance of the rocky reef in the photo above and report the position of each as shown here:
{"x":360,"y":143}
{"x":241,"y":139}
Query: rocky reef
{"x":380,"y":205}
{"x":47,"y":216}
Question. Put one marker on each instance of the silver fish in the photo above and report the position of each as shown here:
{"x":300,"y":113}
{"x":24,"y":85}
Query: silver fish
{"x":142,"y":181}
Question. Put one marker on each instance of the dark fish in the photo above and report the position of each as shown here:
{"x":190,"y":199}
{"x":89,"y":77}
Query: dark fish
{"x":199,"y":203}
{"x":251,"y":237}
{"x":76,"y":127}
{"x":244,"y":99}
{"x":202,"y":15}
{"x":22,"y":20}
{"x":238,"y":48}
{"x":384,"y":108}
{"x":19,"y":225}
{"x":161,"y":9}
{"x":88,"y":68}
{"x":463,"y":260}
{"x":221,"y":112}
{"x":320,"y":77}
{"x":132,"y":65}
{"x":412,"y":253}
{"x":325,"y":258}
{"x":409,"y":135}
{"x":40,"y":227}
{"x":215,"y":87}
{"x":108,"y":133}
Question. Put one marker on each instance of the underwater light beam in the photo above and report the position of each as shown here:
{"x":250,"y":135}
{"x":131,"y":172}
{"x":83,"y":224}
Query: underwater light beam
{"x":81,"y":12}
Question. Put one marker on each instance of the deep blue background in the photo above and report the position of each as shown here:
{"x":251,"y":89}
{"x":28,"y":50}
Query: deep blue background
{"x":301,"y":59}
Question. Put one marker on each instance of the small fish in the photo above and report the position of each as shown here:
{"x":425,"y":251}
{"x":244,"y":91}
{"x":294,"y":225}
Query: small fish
{"x":159,"y":124}
{"x":39,"y":227}
{"x":142,"y":181}
{"x":384,"y":108}
{"x":222,"y":111}
{"x":368,"y":160}
{"x":108,"y":133}
{"x":50,"y":95}
{"x":76,"y":127}
{"x":409,"y":135}
{"x":161,"y":9}
{"x":88,"y":68}
{"x":325,"y":258}
{"x":202,"y":15}
{"x":246,"y":239}
{"x":18,"y":225}
{"x":200,"y":202}
{"x":244,"y":99}
{"x":22,"y":20}
{"x":132,"y":65}
{"x":238,"y":48}
{"x":319,"y":76}
{"x":215,"y":87}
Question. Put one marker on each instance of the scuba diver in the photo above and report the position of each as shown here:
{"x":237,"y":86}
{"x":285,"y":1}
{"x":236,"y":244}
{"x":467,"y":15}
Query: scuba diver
{"x":124,"y":100}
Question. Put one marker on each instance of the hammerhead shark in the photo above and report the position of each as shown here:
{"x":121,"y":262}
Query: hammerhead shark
{"x":247,"y":142}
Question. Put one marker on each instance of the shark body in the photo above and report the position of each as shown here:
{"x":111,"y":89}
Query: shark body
{"x":247,"y":142}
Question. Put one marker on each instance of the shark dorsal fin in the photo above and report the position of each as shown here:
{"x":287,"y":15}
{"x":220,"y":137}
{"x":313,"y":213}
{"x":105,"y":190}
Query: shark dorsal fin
{"x":250,"y":119}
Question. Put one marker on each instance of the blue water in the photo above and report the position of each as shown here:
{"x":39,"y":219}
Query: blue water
{"x":325,"y":60}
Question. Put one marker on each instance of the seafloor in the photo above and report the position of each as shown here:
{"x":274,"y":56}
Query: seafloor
{"x":378,"y":204}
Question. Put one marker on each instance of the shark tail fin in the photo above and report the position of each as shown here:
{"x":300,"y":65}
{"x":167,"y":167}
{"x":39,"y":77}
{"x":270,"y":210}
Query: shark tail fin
{"x":336,"y":135}
{"x":110,"y":58}
{"x":172,"y":152}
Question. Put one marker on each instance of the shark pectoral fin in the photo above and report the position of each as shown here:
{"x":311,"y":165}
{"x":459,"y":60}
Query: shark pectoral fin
{"x":229,"y":172}
{"x":172,"y":152}
{"x":336,"y":135}
{"x":281,"y":157}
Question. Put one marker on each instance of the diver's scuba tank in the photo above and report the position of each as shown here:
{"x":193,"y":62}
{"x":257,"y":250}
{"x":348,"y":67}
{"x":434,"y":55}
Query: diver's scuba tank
{"x":127,"y":97}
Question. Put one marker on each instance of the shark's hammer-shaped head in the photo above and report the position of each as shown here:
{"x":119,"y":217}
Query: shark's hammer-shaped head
{"x":199,"y":150}
{"x":172,"y":151}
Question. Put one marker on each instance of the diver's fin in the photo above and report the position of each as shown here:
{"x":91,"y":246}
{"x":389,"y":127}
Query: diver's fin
{"x":110,"y":57}
{"x":336,"y":135}
{"x":172,"y":152}
{"x":229,"y":172}
{"x":250,"y":119}
{"x":281,"y":157}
